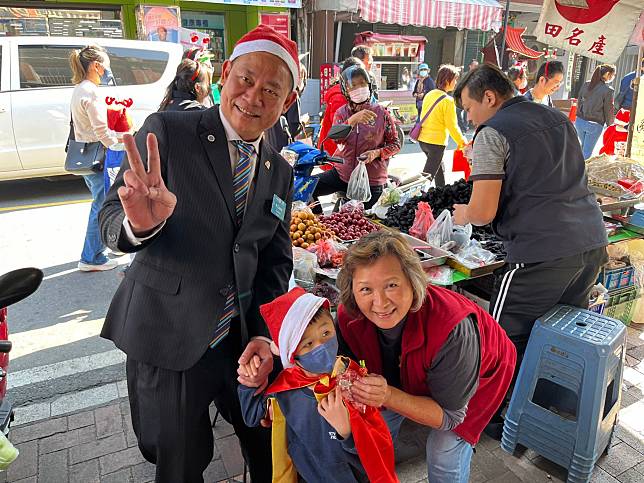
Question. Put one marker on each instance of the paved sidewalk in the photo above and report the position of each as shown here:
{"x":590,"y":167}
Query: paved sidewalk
{"x":98,"y":445}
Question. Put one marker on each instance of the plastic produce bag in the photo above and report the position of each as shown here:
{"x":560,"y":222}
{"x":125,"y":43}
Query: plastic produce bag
{"x":423,"y":220}
{"x":441,"y":275}
{"x":304,"y":265}
{"x":473,"y":255}
{"x":352,"y":206}
{"x":440,"y":233}
{"x":358,"y":188}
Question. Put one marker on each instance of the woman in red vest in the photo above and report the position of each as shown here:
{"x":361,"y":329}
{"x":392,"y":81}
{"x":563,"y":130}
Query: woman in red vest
{"x":433,"y":355}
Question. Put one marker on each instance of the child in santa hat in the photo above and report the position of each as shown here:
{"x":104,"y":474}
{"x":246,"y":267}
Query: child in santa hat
{"x":317,"y":431}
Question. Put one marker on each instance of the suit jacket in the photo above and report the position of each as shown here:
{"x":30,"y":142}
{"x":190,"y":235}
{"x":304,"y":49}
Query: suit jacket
{"x":165,"y":311}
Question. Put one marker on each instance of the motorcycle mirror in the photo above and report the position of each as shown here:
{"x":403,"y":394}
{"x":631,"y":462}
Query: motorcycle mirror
{"x":339,"y":131}
{"x":283,"y":124}
{"x":18,"y":285}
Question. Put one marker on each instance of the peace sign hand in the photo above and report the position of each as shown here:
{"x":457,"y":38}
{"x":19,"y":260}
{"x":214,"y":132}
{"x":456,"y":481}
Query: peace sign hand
{"x":146,"y":200}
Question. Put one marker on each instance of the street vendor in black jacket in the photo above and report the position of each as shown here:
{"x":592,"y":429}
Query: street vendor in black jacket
{"x":205,"y":203}
{"x":530,"y":183}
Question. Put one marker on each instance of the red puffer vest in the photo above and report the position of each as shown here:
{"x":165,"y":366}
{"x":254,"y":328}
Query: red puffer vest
{"x":425,"y":333}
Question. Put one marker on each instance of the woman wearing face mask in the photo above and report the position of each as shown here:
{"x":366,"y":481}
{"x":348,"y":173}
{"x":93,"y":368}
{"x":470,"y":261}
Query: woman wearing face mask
{"x":595,"y":108}
{"x":519,"y":78}
{"x":549,"y":79}
{"x":439,"y":120}
{"x":373,"y":138}
{"x":435,"y":357}
{"x":189,"y":88}
{"x":424,"y":84}
{"x":91,"y":68}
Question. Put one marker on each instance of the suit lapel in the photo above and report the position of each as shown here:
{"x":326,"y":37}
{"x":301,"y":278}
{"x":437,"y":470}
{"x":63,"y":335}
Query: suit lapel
{"x":214,"y":141}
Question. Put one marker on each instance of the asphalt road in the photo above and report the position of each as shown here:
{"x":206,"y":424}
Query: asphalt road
{"x":55,"y":333}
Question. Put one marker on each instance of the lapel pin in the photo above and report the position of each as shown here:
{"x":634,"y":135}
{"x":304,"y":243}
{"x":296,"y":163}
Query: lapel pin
{"x":267,"y":164}
{"x":211,"y":138}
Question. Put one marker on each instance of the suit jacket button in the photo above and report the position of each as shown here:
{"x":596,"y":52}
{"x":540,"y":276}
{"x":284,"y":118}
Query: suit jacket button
{"x":236,"y":248}
{"x":223,"y":292}
{"x":211,"y":138}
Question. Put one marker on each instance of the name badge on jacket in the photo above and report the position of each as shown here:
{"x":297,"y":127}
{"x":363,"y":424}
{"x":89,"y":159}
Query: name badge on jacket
{"x":278,"y":207}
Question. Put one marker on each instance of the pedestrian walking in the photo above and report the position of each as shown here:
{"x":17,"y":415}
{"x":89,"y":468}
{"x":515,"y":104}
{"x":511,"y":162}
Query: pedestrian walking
{"x":424,"y":85}
{"x":595,"y":108}
{"x":438,"y":121}
{"x":205,"y":203}
{"x":91,"y":68}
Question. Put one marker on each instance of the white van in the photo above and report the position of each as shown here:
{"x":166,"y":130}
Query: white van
{"x":36,"y":88}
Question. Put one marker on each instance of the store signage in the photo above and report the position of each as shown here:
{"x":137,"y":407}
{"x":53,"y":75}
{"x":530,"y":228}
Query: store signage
{"x":600,"y":29}
{"x":14,"y":12}
{"x":159,"y":23}
{"x":257,"y":3}
{"x":281,"y":22}
{"x":328,"y":72}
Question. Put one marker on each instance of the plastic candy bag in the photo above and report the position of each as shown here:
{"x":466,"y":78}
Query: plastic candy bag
{"x":423,"y":220}
{"x":329,"y":253}
{"x":358,"y":188}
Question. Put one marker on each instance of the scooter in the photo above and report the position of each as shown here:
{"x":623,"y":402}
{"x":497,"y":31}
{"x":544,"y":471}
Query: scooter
{"x":14,"y":287}
{"x":306,"y":157}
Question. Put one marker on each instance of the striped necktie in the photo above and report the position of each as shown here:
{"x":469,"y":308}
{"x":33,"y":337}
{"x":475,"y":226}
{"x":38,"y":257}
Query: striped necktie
{"x":241,"y":183}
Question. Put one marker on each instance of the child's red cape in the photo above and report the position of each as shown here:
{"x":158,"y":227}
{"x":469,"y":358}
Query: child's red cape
{"x":370,"y":433}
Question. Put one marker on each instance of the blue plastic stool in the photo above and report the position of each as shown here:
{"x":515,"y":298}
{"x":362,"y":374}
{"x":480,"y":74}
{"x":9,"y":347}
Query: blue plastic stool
{"x":568,"y":391}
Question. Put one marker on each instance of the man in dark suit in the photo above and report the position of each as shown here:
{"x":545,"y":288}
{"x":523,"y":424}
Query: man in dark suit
{"x":205,"y":203}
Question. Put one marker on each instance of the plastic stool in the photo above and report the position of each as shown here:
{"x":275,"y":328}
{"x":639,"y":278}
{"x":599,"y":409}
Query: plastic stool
{"x":568,"y":391}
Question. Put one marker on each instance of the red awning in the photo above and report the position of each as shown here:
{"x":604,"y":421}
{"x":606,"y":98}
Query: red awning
{"x":462,"y":14}
{"x":368,"y":38}
{"x":514,"y":42}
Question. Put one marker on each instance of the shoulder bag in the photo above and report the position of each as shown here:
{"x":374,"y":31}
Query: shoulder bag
{"x":83,"y":158}
{"x":415,"y":131}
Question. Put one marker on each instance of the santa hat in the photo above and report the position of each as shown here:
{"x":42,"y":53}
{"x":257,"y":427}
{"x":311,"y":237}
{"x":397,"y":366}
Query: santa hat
{"x":623,"y":117}
{"x":287,"y":317}
{"x":265,"y":39}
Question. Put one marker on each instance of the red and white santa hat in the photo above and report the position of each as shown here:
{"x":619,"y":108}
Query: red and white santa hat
{"x":265,"y":39}
{"x":287,"y":317}
{"x":623,"y":117}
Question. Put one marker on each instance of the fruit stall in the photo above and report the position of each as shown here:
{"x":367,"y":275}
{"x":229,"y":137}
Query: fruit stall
{"x":465,"y":258}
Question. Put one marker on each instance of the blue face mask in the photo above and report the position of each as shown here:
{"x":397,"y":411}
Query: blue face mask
{"x":107,"y":76}
{"x":321,"y":359}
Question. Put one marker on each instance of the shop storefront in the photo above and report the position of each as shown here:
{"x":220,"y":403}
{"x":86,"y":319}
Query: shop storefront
{"x":68,"y":22}
{"x":407,"y":36}
{"x":395,"y":60}
{"x":222,"y":21}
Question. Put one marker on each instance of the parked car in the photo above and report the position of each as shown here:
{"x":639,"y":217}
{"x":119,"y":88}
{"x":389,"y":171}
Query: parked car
{"x":36,"y":88}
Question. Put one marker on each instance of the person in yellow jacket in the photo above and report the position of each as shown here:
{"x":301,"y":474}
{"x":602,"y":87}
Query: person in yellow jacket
{"x":440,"y":122}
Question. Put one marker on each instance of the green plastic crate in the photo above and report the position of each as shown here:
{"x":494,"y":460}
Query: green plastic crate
{"x":623,"y":311}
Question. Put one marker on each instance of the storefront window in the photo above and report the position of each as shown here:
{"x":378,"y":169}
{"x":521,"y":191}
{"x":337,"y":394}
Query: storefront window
{"x":60,"y":22}
{"x":212,"y":24}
